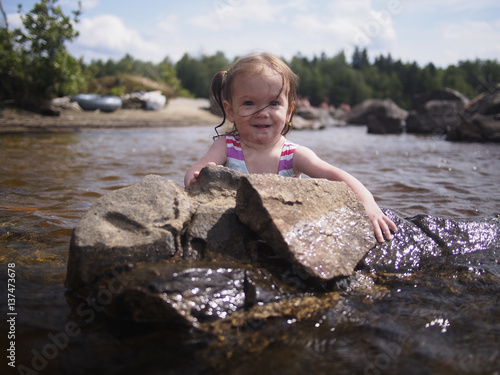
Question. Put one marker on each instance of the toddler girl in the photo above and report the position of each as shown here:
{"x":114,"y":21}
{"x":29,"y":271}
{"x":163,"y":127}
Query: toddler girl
{"x":258,"y":95}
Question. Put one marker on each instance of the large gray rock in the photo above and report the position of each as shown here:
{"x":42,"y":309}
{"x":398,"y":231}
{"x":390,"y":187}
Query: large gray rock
{"x":486,"y":103}
{"x":215,"y":230}
{"x":320,"y":225}
{"x":481,"y":119}
{"x":436,"y":112}
{"x":144,"y":221}
{"x":419,"y":101}
{"x":449,"y":112}
{"x":382,"y":116}
{"x":435,"y":117}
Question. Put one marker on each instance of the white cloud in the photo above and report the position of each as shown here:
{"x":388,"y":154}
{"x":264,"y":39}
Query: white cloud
{"x":344,"y":24}
{"x":108,"y":34}
{"x":422,"y":31}
{"x":453,"y":6}
{"x":448,"y":43}
{"x":474,"y":39}
{"x":240,"y":14}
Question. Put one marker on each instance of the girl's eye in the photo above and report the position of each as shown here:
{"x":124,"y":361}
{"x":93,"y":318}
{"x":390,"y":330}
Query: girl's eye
{"x":274,"y":103}
{"x":247,"y":103}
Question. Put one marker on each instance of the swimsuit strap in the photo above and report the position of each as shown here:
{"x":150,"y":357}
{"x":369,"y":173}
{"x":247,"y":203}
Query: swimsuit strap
{"x":235,"y":159}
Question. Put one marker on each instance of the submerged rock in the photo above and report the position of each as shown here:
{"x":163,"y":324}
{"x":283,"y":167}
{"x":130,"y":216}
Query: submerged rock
{"x":405,"y":252}
{"x":239,"y":247}
{"x":461,"y":236}
{"x":189,"y":293}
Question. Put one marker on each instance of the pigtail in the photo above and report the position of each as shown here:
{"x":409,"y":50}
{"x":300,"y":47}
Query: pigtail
{"x":216,"y":89}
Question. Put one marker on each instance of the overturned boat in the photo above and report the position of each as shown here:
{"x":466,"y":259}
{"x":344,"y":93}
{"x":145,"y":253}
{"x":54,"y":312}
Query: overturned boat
{"x":92,"y":102}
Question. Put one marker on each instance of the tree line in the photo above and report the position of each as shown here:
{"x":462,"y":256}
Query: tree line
{"x":334,"y":80}
{"x":35,"y":65}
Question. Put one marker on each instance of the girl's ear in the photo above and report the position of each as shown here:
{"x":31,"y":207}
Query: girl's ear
{"x":228,"y":108}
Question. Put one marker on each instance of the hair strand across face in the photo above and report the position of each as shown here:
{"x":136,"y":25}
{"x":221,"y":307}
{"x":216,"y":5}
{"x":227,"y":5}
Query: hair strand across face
{"x":255,"y":64}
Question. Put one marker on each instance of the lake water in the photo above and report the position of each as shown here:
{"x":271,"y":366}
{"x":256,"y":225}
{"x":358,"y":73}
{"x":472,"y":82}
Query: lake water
{"x":48,"y":181}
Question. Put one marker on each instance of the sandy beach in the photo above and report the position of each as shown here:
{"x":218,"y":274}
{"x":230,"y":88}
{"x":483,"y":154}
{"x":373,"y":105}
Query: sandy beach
{"x":178,"y":112}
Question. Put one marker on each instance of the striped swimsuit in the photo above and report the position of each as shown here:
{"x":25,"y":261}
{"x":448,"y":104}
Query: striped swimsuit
{"x":235,"y":159}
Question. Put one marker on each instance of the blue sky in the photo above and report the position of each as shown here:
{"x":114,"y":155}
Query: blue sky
{"x":439,"y":31}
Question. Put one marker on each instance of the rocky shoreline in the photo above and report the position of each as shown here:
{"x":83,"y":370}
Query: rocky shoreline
{"x":441,"y":112}
{"x":179,"y":112}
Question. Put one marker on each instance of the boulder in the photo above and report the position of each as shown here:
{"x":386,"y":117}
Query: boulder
{"x":240,"y":248}
{"x":308,"y":117}
{"x":381,"y":124}
{"x":486,"y":103}
{"x":319,"y":225}
{"x":419,"y":101}
{"x":436,"y":112}
{"x":381,"y":116}
{"x":480,"y":121}
{"x":141,"y":222}
{"x":214,"y":230}
{"x":435,"y":117}
{"x":460,"y":236}
{"x":404,"y":253}
{"x":187,"y":293}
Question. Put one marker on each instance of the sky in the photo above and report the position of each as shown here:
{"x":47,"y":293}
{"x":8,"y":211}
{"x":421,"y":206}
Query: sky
{"x":439,"y":31}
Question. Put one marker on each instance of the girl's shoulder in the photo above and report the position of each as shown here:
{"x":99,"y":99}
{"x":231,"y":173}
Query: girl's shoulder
{"x":219,"y":143}
{"x":304,"y":153}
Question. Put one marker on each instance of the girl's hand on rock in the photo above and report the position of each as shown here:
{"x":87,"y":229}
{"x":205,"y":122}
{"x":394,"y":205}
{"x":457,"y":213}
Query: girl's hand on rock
{"x":382,"y":225}
{"x":197,"y":173}
{"x":193,"y":180}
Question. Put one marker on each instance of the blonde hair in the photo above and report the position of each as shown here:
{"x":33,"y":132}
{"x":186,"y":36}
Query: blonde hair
{"x":254,"y":63}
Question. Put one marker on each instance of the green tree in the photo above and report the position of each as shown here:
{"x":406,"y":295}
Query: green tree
{"x":456,"y":78}
{"x":360,"y":59}
{"x":196,"y":74}
{"x":480,"y":75}
{"x":37,"y":65}
{"x":168,"y":74}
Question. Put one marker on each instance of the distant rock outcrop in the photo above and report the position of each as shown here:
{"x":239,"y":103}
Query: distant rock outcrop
{"x":381,"y":116}
{"x":480,"y":121}
{"x":436,"y":112}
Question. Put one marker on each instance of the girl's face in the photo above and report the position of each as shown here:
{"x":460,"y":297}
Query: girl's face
{"x":258,"y":106}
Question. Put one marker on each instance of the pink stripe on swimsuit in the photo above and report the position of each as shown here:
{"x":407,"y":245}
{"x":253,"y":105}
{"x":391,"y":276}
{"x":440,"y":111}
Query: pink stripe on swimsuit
{"x":235,"y":159}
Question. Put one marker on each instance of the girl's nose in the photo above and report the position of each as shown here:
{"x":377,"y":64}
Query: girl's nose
{"x":263,"y":112}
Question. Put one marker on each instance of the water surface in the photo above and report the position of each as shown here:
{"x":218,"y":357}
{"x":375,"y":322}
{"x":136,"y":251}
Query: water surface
{"x":48,"y":181}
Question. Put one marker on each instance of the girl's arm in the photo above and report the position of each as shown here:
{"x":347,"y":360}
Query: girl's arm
{"x":307,"y":162}
{"x":216,"y":155}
